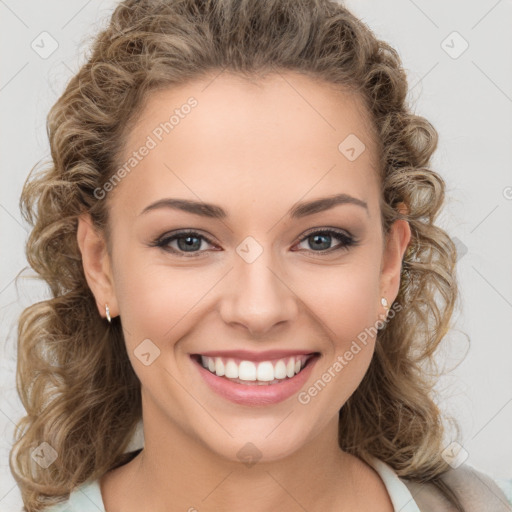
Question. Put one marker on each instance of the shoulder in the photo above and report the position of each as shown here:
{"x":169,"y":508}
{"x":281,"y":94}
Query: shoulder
{"x":476,"y":491}
{"x":84,"y":498}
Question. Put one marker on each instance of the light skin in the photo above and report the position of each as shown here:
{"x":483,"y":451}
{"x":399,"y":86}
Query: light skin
{"x":255,"y":149}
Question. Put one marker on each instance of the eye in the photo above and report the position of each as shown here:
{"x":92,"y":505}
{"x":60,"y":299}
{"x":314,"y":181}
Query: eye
{"x":321,"y":239}
{"x":187,"y":242}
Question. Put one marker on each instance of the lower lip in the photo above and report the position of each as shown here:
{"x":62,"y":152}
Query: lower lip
{"x":247,"y":394}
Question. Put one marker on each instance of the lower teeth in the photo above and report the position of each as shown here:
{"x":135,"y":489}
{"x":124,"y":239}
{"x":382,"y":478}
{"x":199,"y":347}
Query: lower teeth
{"x":256,"y":382}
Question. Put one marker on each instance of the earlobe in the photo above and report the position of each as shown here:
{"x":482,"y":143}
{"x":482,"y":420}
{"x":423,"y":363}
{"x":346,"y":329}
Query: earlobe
{"x":96,"y":264}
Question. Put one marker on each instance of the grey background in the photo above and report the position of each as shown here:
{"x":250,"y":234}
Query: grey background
{"x":468,"y":98}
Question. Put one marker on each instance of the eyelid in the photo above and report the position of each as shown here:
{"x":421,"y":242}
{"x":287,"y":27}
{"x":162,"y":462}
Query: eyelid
{"x":325,"y":229}
{"x":168,"y":237}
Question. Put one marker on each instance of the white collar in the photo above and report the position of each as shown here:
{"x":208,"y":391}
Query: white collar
{"x":398,"y":492}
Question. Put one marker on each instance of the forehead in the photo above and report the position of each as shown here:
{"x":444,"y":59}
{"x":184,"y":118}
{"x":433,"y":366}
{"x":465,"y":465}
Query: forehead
{"x":284,"y":136}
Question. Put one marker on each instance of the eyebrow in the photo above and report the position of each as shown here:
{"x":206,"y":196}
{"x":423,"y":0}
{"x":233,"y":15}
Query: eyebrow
{"x":213,"y":211}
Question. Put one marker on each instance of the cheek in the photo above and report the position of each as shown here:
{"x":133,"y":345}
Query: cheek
{"x":158,"y":301}
{"x":346,"y":303}
{"x":345,"y":299}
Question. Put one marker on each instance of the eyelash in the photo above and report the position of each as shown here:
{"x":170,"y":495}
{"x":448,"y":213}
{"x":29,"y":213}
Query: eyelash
{"x":163,"y":242}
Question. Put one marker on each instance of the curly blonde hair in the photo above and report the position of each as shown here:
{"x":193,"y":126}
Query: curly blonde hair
{"x":74,"y":376}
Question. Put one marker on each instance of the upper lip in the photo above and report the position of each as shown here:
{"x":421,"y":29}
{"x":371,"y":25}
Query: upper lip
{"x":256,"y":356}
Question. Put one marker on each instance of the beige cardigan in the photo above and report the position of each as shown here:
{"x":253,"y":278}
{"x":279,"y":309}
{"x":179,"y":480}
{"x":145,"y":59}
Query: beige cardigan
{"x":476,"y":491}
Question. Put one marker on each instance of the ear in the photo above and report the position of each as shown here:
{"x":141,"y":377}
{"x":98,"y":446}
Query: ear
{"x":97,"y":265}
{"x":396,"y":244}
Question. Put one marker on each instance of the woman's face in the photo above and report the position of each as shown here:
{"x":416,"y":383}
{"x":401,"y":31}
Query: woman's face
{"x":259,"y":273}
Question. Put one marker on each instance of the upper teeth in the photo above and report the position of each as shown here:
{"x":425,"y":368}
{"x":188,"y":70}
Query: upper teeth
{"x":248,"y":370}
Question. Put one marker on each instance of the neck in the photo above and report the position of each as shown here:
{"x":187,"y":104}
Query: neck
{"x":175,"y":471}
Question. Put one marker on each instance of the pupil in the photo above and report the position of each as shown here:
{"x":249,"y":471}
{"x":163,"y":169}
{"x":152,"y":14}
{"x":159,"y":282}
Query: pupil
{"x":188,"y":241}
{"x":319,"y":237}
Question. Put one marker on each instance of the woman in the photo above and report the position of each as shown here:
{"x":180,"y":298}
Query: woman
{"x":199,"y":156}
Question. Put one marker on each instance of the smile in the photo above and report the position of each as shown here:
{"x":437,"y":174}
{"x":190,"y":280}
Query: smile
{"x":262,"y":382}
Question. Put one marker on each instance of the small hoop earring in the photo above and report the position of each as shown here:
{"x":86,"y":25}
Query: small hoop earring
{"x":107,"y":314}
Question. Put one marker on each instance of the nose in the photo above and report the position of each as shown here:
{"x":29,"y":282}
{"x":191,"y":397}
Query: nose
{"x":257,"y":296}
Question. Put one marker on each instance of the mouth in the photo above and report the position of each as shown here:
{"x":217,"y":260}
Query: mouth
{"x":253,"y":383}
{"x":256,"y":373}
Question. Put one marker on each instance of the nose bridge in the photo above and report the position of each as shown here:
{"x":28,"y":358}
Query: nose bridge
{"x":259,"y":298}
